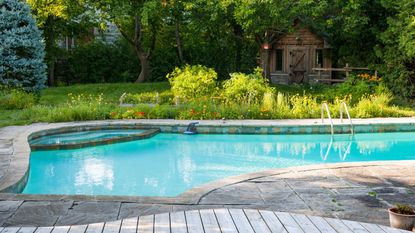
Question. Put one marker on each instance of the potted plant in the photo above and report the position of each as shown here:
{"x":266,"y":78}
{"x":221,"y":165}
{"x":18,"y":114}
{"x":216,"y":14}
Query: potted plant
{"x":402,"y":217}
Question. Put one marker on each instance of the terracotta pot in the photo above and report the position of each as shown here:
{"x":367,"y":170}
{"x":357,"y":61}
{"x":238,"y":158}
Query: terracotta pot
{"x":401,"y":221}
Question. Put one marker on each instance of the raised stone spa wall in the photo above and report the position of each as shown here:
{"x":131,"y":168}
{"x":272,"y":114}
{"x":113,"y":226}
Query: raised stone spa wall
{"x":90,"y":143}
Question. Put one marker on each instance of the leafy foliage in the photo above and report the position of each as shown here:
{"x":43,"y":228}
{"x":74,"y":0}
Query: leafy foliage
{"x":192,"y":81}
{"x":397,"y":49}
{"x":98,"y":62}
{"x":16,"y":99}
{"x":21,"y":48}
{"x":404,"y":209}
{"x":249,"y":88}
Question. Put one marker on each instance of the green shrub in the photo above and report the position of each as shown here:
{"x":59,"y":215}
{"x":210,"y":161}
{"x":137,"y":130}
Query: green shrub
{"x":304,"y":107}
{"x":16,"y":99}
{"x":98,"y":62}
{"x":165,"y":97}
{"x":144,"y":111}
{"x":246,"y":88}
{"x":78,"y":108}
{"x":378,"y":106}
{"x":192,"y":81}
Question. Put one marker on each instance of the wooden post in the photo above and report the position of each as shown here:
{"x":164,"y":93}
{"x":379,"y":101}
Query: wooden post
{"x":347,"y":70}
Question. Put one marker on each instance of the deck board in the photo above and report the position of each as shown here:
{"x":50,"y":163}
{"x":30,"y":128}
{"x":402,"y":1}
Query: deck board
{"x":391,"y":230}
{"x":61,"y":229}
{"x":27,"y":230}
{"x":225,"y":221}
{"x":95,"y":228}
{"x":129,"y":225}
{"x":11,"y":230}
{"x":338,"y":225}
{"x":44,"y":230}
{"x":256,"y":221}
{"x":78,"y":229}
{"x":209,"y":221}
{"x":372,"y":228}
{"x":220,"y":220}
{"x":322,"y":224}
{"x":240,"y":220}
{"x":272,"y":221}
{"x":178,"y":222}
{"x":162,"y":223}
{"x":112,"y":227}
{"x":146,"y":224}
{"x":355,"y":226}
{"x":305,"y":223}
{"x":194,"y":222}
{"x":289,"y":223}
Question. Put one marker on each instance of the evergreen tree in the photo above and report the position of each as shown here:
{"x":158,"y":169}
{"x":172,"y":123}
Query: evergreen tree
{"x":22,"y":49}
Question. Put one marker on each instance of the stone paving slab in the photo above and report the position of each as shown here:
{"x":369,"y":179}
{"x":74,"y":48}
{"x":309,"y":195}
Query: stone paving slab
{"x":328,"y":191}
{"x":360,"y":192}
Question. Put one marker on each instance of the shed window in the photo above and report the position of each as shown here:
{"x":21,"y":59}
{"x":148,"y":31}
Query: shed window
{"x":319,"y":57}
{"x":278,"y":59}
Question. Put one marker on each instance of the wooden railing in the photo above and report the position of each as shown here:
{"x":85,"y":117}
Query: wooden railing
{"x":347,"y":69}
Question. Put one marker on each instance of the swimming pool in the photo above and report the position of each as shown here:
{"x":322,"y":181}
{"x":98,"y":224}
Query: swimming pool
{"x":169,"y":164}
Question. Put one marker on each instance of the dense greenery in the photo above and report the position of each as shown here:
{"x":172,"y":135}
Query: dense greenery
{"x":253,"y":98}
{"x":21,"y":48}
{"x":226,"y":35}
{"x":192,"y":81}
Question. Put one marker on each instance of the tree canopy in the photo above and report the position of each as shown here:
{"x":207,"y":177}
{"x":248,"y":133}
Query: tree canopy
{"x":227,"y":34}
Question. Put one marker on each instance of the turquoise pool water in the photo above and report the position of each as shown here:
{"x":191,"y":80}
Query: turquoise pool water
{"x":76,"y":137}
{"x":169,"y":164}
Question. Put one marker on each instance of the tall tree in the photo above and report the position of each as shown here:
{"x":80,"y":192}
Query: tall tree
{"x":60,"y":18}
{"x":176,"y":15}
{"x":21,"y":48}
{"x":139,"y":22}
{"x":397,"y":49}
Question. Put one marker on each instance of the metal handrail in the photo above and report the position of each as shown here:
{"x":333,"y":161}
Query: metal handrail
{"x":325,"y":106}
{"x":343,"y":107}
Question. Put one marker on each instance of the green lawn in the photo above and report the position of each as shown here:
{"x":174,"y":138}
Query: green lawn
{"x":53,"y":105}
{"x":111,"y":91}
{"x":56,"y":96}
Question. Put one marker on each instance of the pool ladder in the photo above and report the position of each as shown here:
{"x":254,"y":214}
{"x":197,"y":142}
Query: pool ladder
{"x":343,"y":109}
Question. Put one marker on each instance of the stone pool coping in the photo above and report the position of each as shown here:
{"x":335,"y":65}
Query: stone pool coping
{"x":16,"y":176}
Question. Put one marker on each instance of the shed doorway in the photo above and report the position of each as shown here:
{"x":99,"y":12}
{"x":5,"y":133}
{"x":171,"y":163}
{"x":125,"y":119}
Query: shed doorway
{"x":297,"y":69}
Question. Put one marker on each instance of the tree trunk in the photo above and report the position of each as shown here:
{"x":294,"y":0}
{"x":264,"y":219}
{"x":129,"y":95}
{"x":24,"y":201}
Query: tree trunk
{"x":237,"y":30}
{"x":51,"y":63}
{"x":265,"y":63}
{"x":51,"y":69}
{"x":145,"y":68}
{"x":178,"y":42}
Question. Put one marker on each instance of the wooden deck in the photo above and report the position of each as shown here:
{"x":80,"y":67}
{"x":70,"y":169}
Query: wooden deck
{"x":216,"y":221}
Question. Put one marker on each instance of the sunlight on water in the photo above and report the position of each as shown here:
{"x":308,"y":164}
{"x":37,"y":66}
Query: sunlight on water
{"x":169,"y":164}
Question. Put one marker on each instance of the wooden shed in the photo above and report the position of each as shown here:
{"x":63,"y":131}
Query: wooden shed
{"x":291,"y":59}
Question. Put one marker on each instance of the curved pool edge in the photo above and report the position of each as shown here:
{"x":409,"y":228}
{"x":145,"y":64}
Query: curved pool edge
{"x":17,"y":172}
{"x":147,"y":133}
{"x":194,"y":195}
